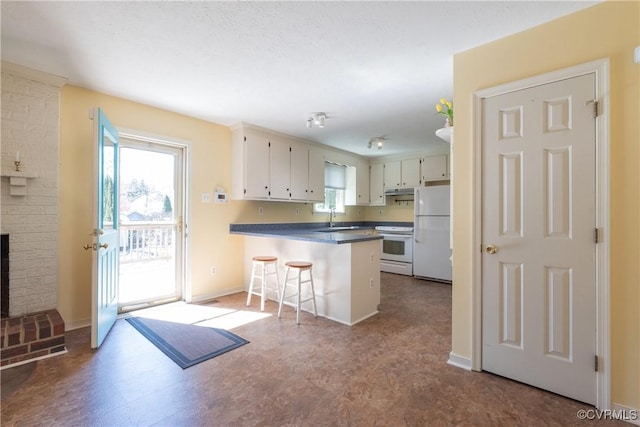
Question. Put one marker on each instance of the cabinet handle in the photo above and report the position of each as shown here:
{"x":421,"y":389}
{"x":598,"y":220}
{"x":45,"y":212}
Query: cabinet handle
{"x":266,"y":186}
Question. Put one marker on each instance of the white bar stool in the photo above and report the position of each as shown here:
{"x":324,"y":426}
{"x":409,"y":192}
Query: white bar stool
{"x":298,"y":266}
{"x":263,"y":262}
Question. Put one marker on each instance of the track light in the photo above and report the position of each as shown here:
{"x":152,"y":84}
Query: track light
{"x":316,"y":119}
{"x":378,"y":141}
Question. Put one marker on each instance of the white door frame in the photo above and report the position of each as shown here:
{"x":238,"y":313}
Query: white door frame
{"x":142,"y":136}
{"x":601,"y":70}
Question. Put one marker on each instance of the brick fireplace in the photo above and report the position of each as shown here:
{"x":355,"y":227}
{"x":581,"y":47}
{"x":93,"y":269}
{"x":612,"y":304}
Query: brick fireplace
{"x":29,"y":219}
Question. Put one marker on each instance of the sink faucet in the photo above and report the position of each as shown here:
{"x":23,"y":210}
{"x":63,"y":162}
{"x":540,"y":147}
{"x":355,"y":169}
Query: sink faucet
{"x":332,"y":217}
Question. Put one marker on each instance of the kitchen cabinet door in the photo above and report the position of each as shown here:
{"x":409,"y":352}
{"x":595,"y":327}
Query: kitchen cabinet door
{"x":316,"y":175}
{"x":299,"y":172}
{"x":256,"y":166}
{"x":392,"y":174}
{"x":357,"y":190}
{"x":280,"y":169}
{"x":434,"y":168}
{"x":376,"y":187}
{"x":362,"y":184}
{"x":410,"y":169}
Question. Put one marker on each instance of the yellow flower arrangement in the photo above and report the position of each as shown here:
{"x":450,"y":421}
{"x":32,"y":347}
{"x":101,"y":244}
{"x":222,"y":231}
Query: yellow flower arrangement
{"x":446,"y":109}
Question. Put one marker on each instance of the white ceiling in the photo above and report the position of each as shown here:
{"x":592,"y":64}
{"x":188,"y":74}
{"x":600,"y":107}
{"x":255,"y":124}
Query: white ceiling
{"x":376,"y":68}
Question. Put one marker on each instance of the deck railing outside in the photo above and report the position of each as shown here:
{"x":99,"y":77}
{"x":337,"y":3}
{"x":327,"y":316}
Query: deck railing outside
{"x":146,"y":241}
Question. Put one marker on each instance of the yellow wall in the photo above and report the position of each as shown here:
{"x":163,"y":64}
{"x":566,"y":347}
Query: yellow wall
{"x":210,"y":241}
{"x":610,"y":29}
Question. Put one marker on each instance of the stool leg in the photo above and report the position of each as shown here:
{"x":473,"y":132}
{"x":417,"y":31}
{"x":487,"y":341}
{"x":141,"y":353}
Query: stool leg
{"x":275,"y":265}
{"x":263,"y":289}
{"x":313,"y":294}
{"x":253,"y":273}
{"x":298,"y":298}
{"x":284,"y":290}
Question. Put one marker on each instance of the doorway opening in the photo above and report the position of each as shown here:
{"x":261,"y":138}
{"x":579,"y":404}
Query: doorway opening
{"x":151,"y":212}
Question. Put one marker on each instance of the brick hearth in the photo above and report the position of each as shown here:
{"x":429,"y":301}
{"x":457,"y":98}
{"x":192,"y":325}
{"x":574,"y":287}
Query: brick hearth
{"x":31,"y":336}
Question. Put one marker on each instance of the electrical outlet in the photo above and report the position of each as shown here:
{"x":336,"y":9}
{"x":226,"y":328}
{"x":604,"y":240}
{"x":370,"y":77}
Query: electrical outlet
{"x":371,"y":283}
{"x":205,"y":197}
{"x":213,"y":270}
{"x":371,"y":258}
{"x":297,"y":211}
{"x":260,"y":211}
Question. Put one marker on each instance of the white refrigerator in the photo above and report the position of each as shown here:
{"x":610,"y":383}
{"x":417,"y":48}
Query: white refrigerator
{"x":431,"y":250}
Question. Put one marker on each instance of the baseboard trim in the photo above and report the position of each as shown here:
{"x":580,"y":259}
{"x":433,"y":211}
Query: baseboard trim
{"x":459,"y":361}
{"x":628,"y":414}
{"x":77,"y":324}
{"x":208,"y":297}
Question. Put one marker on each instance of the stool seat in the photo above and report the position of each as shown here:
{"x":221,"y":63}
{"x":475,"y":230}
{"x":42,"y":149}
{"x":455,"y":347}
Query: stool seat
{"x":303,"y":265}
{"x":265,"y":258}
{"x":299,"y":267}
{"x":261,"y":262}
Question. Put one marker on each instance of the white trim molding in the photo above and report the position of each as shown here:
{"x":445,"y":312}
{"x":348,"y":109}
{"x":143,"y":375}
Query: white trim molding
{"x":600,"y":68}
{"x":459,"y":361}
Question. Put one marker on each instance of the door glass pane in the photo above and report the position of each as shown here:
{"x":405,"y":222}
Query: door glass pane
{"x":108,"y":183}
{"x":148,"y":225}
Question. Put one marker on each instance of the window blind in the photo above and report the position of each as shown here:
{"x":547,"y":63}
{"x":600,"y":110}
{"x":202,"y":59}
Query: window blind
{"x":335,"y":176}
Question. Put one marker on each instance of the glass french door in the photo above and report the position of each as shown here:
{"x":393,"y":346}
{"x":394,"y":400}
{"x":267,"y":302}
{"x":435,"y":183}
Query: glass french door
{"x":151,"y":212}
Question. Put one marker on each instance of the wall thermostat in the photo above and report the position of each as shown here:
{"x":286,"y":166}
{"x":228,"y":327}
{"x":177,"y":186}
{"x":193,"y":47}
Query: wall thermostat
{"x":220,"y":196}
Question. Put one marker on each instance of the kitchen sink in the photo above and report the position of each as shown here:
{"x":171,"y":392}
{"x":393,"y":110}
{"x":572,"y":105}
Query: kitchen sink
{"x":352,"y":229}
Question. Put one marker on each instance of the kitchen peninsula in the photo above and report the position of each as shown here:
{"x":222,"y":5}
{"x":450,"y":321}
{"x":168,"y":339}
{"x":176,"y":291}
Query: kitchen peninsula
{"x":346,"y":263}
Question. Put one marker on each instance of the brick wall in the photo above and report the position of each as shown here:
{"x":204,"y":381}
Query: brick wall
{"x":30,"y":124}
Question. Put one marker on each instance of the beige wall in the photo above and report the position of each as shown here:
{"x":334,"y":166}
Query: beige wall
{"x":611,"y":30}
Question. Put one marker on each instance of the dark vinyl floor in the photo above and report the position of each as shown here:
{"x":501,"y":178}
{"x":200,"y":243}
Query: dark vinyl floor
{"x":389,"y":370}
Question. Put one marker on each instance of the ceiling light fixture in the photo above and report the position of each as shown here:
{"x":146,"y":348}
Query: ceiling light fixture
{"x":316,"y":119}
{"x":378,"y":141}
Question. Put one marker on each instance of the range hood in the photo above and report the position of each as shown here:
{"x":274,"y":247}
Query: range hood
{"x":398,"y":191}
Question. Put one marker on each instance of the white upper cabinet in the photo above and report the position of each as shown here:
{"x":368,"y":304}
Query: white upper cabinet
{"x":269,"y":166}
{"x":392,"y":174}
{"x":435,"y":168}
{"x":316,"y":175}
{"x":376,"y":184}
{"x":357,"y":191}
{"x":299,"y":185}
{"x":253,"y":179}
{"x":410,"y":173}
{"x":279,"y":169}
{"x":402,"y":173}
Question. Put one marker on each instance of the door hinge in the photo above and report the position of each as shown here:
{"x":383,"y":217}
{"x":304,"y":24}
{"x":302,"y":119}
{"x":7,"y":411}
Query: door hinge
{"x":595,"y":366}
{"x":596,"y":107}
{"x":596,"y":235}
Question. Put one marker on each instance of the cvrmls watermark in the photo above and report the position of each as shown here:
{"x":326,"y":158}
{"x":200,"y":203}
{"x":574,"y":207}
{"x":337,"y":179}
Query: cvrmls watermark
{"x":608,"y":414}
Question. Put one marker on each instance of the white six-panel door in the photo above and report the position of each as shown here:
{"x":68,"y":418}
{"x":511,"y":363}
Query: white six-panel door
{"x":538,"y":222}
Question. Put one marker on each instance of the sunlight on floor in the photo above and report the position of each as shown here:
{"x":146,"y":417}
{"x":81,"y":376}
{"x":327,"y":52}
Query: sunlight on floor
{"x":201,"y":315}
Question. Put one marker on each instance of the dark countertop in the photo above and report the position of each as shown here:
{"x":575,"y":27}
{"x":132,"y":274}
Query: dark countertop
{"x":351,"y":232}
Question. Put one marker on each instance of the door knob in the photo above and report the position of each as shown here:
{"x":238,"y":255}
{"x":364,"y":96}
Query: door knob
{"x":491,"y":249}
{"x":87,"y":247}
{"x":104,"y":245}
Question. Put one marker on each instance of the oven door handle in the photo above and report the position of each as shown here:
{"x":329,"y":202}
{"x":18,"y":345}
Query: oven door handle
{"x":397,"y":236}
